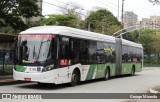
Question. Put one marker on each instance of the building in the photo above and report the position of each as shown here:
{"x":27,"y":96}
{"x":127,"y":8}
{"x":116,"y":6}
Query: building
{"x":151,"y":23}
{"x":129,"y":19}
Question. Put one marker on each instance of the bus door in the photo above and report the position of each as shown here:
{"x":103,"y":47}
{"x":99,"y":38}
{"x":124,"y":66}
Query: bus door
{"x":63,"y":59}
{"x":118,"y":56}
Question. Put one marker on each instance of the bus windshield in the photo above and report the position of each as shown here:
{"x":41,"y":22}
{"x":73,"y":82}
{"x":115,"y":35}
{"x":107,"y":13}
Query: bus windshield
{"x":31,"y":49}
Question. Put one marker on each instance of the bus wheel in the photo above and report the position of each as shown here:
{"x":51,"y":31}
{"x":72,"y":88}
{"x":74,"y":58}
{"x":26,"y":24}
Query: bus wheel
{"x":107,"y":74}
{"x":75,"y":78}
{"x":133,"y":71}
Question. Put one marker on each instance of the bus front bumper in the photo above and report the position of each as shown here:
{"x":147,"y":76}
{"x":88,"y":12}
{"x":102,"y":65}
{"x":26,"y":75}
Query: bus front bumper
{"x":45,"y":77}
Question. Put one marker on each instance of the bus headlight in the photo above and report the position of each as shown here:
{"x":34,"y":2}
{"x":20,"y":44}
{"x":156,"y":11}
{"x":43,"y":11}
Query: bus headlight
{"x":48,"y":68}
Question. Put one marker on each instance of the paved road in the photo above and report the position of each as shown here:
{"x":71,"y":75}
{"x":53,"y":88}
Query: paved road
{"x":139,"y":83}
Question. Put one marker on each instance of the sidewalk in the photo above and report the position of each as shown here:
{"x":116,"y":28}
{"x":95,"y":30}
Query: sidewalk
{"x":6,"y":79}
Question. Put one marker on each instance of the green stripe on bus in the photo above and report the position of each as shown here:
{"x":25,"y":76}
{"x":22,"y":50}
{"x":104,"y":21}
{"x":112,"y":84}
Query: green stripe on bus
{"x":112,"y":69}
{"x":20,"y":68}
{"x":90,"y":72}
{"x":127,"y":67}
{"x":138,"y":67}
{"x":99,"y":71}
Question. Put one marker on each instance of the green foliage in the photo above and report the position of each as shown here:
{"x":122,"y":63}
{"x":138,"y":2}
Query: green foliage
{"x":63,"y":20}
{"x":132,"y":36}
{"x":150,"y":39}
{"x":147,"y":40}
{"x":151,"y":61}
{"x":112,"y":29}
{"x":157,"y":43}
{"x":81,"y":24}
{"x":12,"y":11}
{"x":35,"y":23}
{"x":102,"y":21}
{"x":10,"y":30}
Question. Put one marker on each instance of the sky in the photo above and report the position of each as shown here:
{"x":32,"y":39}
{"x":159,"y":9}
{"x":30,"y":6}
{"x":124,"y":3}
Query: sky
{"x":143,"y":8}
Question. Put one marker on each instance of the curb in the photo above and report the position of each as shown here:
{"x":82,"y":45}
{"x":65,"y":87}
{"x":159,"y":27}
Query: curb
{"x":6,"y":80}
{"x":10,"y":82}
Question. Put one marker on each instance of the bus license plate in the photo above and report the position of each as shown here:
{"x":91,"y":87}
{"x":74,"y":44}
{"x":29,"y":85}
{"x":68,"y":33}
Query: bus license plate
{"x":27,"y":79}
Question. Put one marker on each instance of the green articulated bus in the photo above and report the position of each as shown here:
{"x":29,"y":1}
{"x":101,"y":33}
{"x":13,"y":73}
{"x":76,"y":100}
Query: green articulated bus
{"x":59,"y":54}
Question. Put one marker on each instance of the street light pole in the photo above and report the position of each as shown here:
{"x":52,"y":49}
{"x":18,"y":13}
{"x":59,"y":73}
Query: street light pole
{"x":122,"y":13}
{"x":118,"y":11}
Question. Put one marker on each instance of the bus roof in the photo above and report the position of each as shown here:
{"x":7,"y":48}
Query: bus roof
{"x":68,"y":31}
{"x":126,"y":42}
{"x":73,"y":32}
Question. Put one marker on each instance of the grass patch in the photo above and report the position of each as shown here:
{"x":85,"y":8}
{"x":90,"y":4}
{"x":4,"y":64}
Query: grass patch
{"x":8,"y":70}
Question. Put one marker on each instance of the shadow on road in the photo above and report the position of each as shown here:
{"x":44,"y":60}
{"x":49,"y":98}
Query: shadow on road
{"x":62,"y":86}
{"x":43,"y":86}
{"x":12,"y":83}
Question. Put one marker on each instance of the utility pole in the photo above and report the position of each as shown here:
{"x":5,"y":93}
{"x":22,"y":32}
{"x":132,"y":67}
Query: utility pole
{"x":118,"y":11}
{"x":122,"y":23}
{"x":152,"y":25}
{"x":139,"y":32}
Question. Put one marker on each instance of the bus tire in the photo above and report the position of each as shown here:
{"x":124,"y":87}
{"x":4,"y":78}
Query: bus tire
{"x":75,"y":78}
{"x":107,"y":74}
{"x":133,"y":71}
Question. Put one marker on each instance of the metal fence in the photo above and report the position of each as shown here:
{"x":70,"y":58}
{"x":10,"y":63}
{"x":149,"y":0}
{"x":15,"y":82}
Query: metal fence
{"x":6,"y":62}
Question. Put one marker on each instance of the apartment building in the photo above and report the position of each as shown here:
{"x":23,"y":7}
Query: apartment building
{"x":151,"y":23}
{"x":129,"y":19}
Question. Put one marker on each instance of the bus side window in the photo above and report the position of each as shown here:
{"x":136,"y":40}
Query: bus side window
{"x":100,"y":52}
{"x":110,"y":54}
{"x":92,"y":51}
{"x":84,"y":44}
{"x":74,"y":47}
{"x":125,"y":57}
{"x":64,"y":51}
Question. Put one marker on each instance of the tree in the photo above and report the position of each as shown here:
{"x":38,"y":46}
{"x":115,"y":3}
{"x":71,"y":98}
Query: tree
{"x":102,"y":21}
{"x":63,"y":20}
{"x":157,"y":47}
{"x":10,"y":30}
{"x":71,"y":8}
{"x":147,"y":40}
{"x":155,"y":1}
{"x":132,"y":36}
{"x":157,"y":43}
{"x":12,"y":11}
